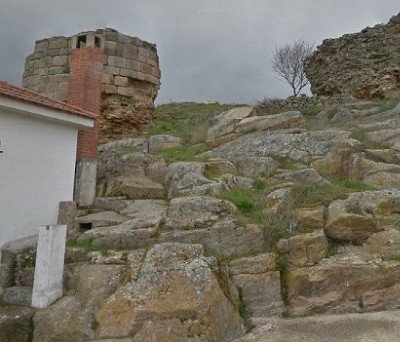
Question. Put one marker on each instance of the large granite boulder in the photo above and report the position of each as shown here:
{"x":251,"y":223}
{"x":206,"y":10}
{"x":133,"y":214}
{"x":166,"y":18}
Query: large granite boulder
{"x":258,"y":281}
{"x":72,"y":317}
{"x":176,"y":296}
{"x":197,"y":212}
{"x":225,"y":238}
{"x":304,"y":249}
{"x":343,"y":283}
{"x":223,"y":125}
{"x":299,"y":145}
{"x":187,"y":178}
{"x":16,"y":324}
{"x":363,"y":214}
{"x":269,"y":122}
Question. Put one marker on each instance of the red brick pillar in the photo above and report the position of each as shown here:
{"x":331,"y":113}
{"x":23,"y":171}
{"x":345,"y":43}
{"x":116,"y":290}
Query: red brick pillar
{"x":85,"y":85}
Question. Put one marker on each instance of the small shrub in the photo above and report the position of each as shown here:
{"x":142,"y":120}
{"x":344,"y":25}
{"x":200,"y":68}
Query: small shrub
{"x":211,"y":173}
{"x":316,"y":194}
{"x":276,"y":227}
{"x":260,"y":184}
{"x":288,"y":164}
{"x":388,"y":104}
{"x":313,"y":110}
{"x":362,"y":137}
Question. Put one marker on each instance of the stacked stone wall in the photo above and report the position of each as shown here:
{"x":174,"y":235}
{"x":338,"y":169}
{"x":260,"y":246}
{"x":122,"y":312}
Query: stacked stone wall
{"x":362,"y":65}
{"x":130,"y":80}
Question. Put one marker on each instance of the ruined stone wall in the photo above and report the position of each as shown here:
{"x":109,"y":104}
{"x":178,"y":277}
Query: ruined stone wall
{"x":362,"y":65}
{"x":131,"y":78}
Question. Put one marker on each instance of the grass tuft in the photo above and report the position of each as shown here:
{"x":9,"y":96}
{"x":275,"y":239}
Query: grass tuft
{"x":183,"y":153}
{"x":130,"y":150}
{"x":354,"y":185}
{"x":242,"y":199}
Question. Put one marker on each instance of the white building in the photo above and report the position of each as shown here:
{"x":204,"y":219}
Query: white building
{"x":38,"y":142}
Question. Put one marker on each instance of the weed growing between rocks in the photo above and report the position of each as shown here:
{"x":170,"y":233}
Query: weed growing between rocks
{"x":282,"y":264}
{"x":211,"y":172}
{"x":288,"y":164}
{"x":354,"y":185}
{"x":244,"y":199}
{"x":252,"y":209}
{"x":130,"y":150}
{"x":388,"y":103}
{"x":88,"y":245}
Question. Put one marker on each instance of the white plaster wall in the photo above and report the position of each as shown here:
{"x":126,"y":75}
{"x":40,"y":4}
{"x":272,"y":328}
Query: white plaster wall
{"x":37,"y":170}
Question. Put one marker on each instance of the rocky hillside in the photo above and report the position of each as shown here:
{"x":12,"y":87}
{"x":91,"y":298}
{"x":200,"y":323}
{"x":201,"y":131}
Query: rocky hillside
{"x":223,"y":223}
{"x":363,"y":64}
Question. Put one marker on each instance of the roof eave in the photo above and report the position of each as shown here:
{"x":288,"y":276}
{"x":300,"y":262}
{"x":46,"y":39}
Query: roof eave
{"x":45,"y":113}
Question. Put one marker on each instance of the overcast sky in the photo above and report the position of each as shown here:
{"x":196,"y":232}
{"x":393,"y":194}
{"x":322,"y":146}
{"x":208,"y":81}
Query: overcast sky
{"x":210,"y":50}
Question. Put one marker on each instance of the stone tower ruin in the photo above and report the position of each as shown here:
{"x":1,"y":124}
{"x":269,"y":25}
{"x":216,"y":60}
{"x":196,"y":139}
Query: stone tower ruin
{"x":130,"y":80}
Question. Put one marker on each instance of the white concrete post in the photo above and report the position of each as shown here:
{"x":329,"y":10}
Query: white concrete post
{"x":48,"y":281}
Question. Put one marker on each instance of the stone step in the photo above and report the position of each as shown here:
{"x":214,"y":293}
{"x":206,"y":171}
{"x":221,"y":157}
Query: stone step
{"x":17,"y":295}
{"x":16,"y":324}
{"x":366,"y":327}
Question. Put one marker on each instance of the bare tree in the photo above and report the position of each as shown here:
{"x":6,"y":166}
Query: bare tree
{"x":287,"y":64}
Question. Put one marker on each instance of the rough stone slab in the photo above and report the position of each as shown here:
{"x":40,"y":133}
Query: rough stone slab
{"x":139,"y":187}
{"x":197,"y":212}
{"x":120,"y":237}
{"x":268,"y":122}
{"x":371,"y":327}
{"x":223,"y":238}
{"x":18,"y":295}
{"x":15,"y":324}
{"x":253,"y":265}
{"x":299,"y":145}
{"x":103,"y":218}
{"x":145,"y":213}
{"x":12,"y":248}
{"x":261,"y":293}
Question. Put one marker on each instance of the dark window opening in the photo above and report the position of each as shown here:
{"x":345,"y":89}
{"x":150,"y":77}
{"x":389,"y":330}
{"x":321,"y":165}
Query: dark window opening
{"x":97,"y":42}
{"x":81,"y":42}
{"x":85,"y":226}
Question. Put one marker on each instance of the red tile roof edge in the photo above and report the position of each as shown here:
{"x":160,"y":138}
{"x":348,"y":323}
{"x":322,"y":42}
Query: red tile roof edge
{"x":25,"y":95}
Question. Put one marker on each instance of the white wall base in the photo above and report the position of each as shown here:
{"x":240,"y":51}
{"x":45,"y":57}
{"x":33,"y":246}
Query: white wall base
{"x":48,"y":281}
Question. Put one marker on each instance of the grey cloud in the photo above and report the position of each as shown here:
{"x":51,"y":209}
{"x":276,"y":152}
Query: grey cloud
{"x":209,"y":49}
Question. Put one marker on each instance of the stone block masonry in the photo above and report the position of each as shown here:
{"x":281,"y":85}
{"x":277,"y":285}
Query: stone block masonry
{"x":361,"y":65}
{"x":130,"y":79}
